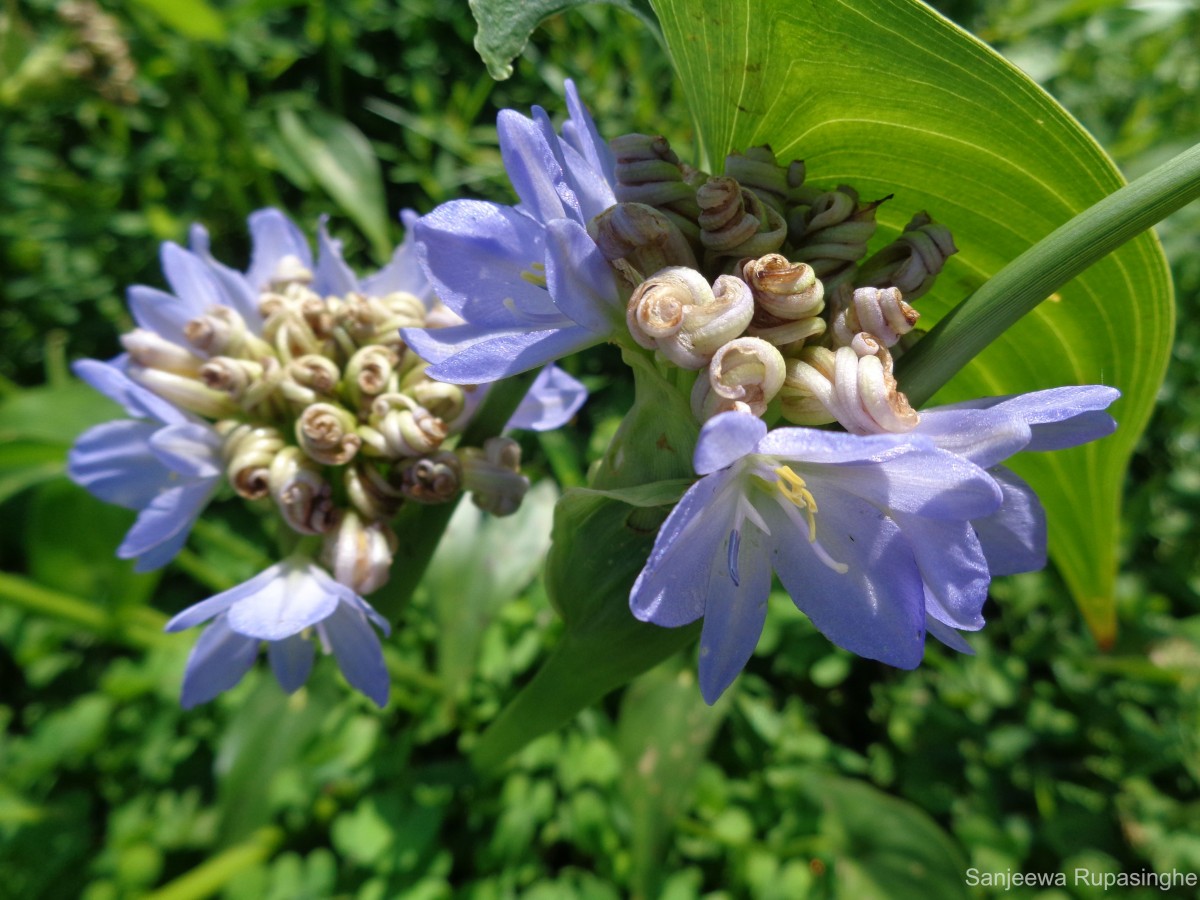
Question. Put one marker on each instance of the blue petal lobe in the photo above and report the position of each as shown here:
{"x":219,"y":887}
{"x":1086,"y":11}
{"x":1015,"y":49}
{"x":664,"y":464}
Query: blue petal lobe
{"x":217,"y":662}
{"x":359,"y":655}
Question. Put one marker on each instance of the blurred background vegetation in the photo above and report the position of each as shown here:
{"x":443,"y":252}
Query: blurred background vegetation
{"x":821,"y":775}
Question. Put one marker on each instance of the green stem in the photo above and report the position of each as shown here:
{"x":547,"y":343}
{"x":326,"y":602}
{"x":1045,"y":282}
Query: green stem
{"x":1044,"y":268}
{"x":210,"y":877}
{"x":136,"y":626}
{"x":421,"y":527}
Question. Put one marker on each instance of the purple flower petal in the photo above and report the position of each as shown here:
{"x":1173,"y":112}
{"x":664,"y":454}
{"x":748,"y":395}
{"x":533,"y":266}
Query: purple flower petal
{"x":580,"y":279}
{"x":287,"y":604}
{"x":876,"y":608}
{"x":672,"y":588}
{"x":726,"y":438}
{"x":333,"y":276}
{"x":359,"y":656}
{"x":953,"y":567}
{"x":948,"y":636}
{"x":490,"y":357}
{"x":552,"y":400}
{"x":735,"y":610}
{"x":196,"y":290}
{"x":291,"y":660}
{"x":206,"y":609}
{"x":219,"y":660}
{"x":481,"y":259}
{"x":581,"y":133}
{"x":190,"y":450}
{"x":114,"y":462}
{"x":274,"y":236}
{"x":983,"y":436}
{"x":1014,"y":537}
{"x":139,"y":402}
{"x":403,"y":272}
{"x":532,"y":168}
{"x":932,"y":483}
{"x":162,"y":527}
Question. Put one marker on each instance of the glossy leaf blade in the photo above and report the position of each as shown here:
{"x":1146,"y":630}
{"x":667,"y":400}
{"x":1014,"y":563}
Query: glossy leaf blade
{"x":888,"y":96}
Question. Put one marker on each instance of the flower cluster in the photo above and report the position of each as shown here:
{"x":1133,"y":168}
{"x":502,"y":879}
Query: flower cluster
{"x":762,"y":286}
{"x":290,"y":382}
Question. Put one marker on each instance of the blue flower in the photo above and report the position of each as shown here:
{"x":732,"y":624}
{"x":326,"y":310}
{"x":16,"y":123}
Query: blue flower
{"x":990,"y":430}
{"x":855,"y":526}
{"x":278,"y":606}
{"x":529,"y":283}
{"x":161,"y":462}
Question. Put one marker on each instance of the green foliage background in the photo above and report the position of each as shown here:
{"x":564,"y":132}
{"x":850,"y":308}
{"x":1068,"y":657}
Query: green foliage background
{"x":1038,"y":754}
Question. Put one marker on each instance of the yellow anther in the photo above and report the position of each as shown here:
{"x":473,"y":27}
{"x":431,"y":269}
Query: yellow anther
{"x":535,"y":275}
{"x":792,"y":486}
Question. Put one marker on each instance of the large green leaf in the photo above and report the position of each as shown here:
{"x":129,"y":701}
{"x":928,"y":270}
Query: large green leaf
{"x":888,"y":96}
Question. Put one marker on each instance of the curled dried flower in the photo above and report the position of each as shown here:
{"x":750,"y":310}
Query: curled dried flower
{"x":745,"y":374}
{"x":219,"y":332}
{"x":303,"y":496}
{"x":249,"y":451}
{"x":807,"y":386}
{"x":677,"y":312}
{"x":493,"y":475}
{"x":436,"y":478}
{"x":858,"y":389}
{"x":371,"y":371}
{"x":881,"y":312}
{"x":310,"y":378}
{"x":370,"y":491}
{"x":913,"y":261}
{"x":734,"y":222}
{"x":759,"y":170}
{"x":399,"y":427}
{"x":326,"y":432}
{"x":831,"y":235}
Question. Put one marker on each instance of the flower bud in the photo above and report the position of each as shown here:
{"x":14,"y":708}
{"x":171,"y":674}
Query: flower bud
{"x":445,"y":401}
{"x":493,"y":475}
{"x":359,"y":555}
{"x":304,"y":497}
{"x":289,"y":270}
{"x":326,"y":432}
{"x":436,"y":478}
{"x":186,"y":393}
{"x":221,"y":331}
{"x":249,"y":451}
{"x":642,"y":236}
{"x":647,"y":171}
{"x":152,"y":351}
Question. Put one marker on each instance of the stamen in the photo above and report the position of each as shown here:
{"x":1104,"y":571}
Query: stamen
{"x":535,"y":274}
{"x":735,"y":542}
{"x":792,"y":487}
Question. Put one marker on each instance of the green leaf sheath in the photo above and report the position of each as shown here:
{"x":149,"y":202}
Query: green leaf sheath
{"x":888,"y":96}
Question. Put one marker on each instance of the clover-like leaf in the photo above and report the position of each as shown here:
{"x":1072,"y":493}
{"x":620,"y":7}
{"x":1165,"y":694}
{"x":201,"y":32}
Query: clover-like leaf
{"x":888,"y":96}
